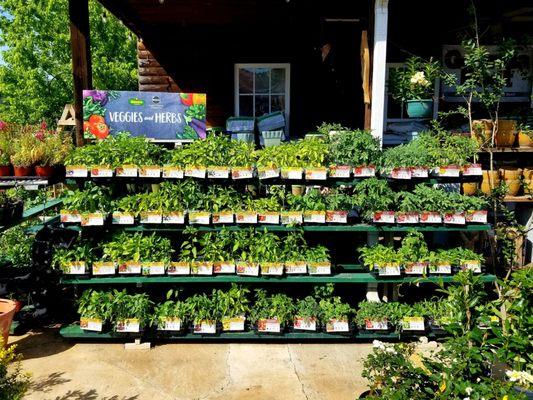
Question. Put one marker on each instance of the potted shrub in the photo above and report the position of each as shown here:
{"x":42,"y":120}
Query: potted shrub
{"x":204,"y":313}
{"x":414,"y":85}
{"x":73,"y":261}
{"x":357,"y":149}
{"x":233,"y":306}
{"x":51,"y":150}
{"x":131,"y":313}
{"x":271,"y":314}
{"x":307,"y":315}
{"x":22,"y":157}
{"x":95,"y":309}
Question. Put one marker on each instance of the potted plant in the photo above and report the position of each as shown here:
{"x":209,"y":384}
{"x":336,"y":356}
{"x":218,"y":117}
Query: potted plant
{"x":413,"y":318}
{"x":414,"y":85}
{"x":268,"y":252}
{"x":95,"y":309}
{"x":338,"y":205}
{"x":382,"y":258}
{"x":414,"y":253}
{"x":233,"y":306}
{"x":171,"y":315}
{"x":204,"y":313}
{"x":374,"y":199}
{"x":51,"y":150}
{"x":271,"y":314}
{"x":131,"y":313}
{"x":336,"y":314}
{"x":293,"y":253}
{"x":318,"y":260}
{"x":73,"y":261}
{"x":89,"y":206}
{"x":22,"y":157}
{"x":307,"y":315}
{"x":374,"y":316}
{"x":356,"y":149}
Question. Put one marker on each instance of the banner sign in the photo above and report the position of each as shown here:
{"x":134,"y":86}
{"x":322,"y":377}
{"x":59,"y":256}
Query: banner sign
{"x":155,"y":115}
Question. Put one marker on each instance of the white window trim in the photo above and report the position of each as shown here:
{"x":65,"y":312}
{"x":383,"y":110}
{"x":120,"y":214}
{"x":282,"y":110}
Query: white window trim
{"x":286,"y":66}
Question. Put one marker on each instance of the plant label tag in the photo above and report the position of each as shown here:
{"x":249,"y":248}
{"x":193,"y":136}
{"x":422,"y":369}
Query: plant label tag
{"x":195,"y":172}
{"x":474,"y":266}
{"x":401,"y":173}
{"x":430,"y":217}
{"x":122,"y":218}
{"x":130,"y":325}
{"x":292,"y":217}
{"x":223,"y":218}
{"x":179,"y":268}
{"x":76,"y":171}
{"x":340,"y":171}
{"x":457,"y":218}
{"x":129,"y":267}
{"x":92,"y":219}
{"x":413,"y":324}
{"x":391,"y":269}
{"x":305,"y":324}
{"x":172,"y":172}
{"x":419,"y":172}
{"x":246,"y":217}
{"x":104,"y":268}
{"x":268,"y":326}
{"x":75,"y":268}
{"x":67,"y":216}
{"x":272,"y":268}
{"x":126,"y":171}
{"x":202,"y":268}
{"x":295,"y":267}
{"x":472,"y":170}
{"x":268,"y":217}
{"x":153,"y":268}
{"x":234,"y":324}
{"x":151,"y":217}
{"x":407,"y":217}
{"x":206,"y":327}
{"x":376,"y":325}
{"x":477,"y":216}
{"x":91,"y":324}
{"x":169,"y":324}
{"x":316,"y":174}
{"x":224,"y":267}
{"x":242,"y":172}
{"x":199,"y":218}
{"x":336,"y":325}
{"x":268,"y":173}
{"x":366,"y":171}
{"x":441,"y":268}
{"x":150,"y":171}
{"x":174,"y":217}
{"x":101,"y":171}
{"x":384,"y":217}
{"x":218,"y":172}
{"x":449,"y":171}
{"x":315,"y":217}
{"x":319,"y":268}
{"x":292,"y":173}
{"x":416,"y":268}
{"x":247,"y":269}
{"x":337,"y":217}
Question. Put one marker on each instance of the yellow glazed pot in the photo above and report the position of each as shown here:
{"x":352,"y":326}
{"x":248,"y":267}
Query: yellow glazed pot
{"x":506,"y":133}
{"x":513,"y":187}
{"x":524,"y":140}
{"x":510,"y":173}
{"x":470,"y":188}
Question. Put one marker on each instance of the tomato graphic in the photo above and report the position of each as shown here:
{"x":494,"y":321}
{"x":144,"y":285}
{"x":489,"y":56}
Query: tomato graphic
{"x":95,"y":119}
{"x":99,"y":130}
{"x":86,"y":126}
{"x":187,"y":99}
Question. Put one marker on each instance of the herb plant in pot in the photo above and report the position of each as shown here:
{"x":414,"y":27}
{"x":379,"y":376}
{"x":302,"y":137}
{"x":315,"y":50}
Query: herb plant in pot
{"x":171,"y":315}
{"x":271,"y":313}
{"x":204,"y":313}
{"x":374,"y":316}
{"x":336,"y":315}
{"x":381,"y":259}
{"x":73,"y":261}
{"x":414,"y":85}
{"x":95,"y":309}
{"x":307,"y":314}
{"x":130,"y":313}
{"x":233,"y":306}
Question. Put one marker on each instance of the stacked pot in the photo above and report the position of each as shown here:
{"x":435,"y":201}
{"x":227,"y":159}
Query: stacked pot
{"x":513,"y":177}
{"x":506,"y":134}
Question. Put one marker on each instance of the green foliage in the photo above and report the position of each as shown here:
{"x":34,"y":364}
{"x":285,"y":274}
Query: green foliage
{"x":308,"y":308}
{"x":81,"y":252}
{"x":36,"y":77}
{"x":325,"y":128}
{"x":16,"y":246}
{"x":415,"y":81}
{"x":413,"y":248}
{"x":203,"y":307}
{"x":334,"y":308}
{"x":95,"y":304}
{"x":301,"y":153}
{"x":13,"y":382}
{"x":131,"y":306}
{"x":137,"y":247}
{"x":90,"y":199}
{"x":427,"y":198}
{"x":374,"y":311}
{"x":233,"y":302}
{"x":355,"y":148}
{"x":377,"y":255}
{"x":279,"y":306}
{"x":373,"y":195}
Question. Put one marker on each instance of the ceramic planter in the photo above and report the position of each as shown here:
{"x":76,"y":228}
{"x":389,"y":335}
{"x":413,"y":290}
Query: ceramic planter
{"x":470,"y":188}
{"x":7,"y":312}
{"x":44,"y":170}
{"x":513,"y":187}
{"x":420,"y":108}
{"x":506,"y":133}
{"x":5,"y":170}
{"x":510,"y":173}
{"x":524,"y":139}
{"x":482,"y":131}
{"x":272,"y":138}
{"x":23,"y":171}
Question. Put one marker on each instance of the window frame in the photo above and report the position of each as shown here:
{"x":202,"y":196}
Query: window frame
{"x":286,"y":66}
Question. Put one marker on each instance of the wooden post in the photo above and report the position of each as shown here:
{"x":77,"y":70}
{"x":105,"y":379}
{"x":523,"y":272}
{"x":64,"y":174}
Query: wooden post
{"x":81,"y":58}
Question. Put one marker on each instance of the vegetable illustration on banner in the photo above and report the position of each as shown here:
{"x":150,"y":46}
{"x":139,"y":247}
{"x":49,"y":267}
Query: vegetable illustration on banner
{"x":156,"y":115}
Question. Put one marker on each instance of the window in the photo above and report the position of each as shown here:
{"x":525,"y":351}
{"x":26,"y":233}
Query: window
{"x":261,"y":89}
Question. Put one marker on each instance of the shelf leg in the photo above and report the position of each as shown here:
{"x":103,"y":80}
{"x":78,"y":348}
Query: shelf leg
{"x":372,"y":293}
{"x":137,"y":345}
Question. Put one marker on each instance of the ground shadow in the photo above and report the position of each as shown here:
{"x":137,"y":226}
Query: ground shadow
{"x":90,"y":395}
{"x":40,"y":343}
{"x":45,"y":385}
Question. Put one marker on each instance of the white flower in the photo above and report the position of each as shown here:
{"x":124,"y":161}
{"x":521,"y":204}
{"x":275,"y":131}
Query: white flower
{"x":513,"y":375}
{"x":523,"y":378}
{"x":394,"y":379}
{"x":469,"y":390}
{"x":466,"y":398}
{"x":419,"y":78}
{"x":378,"y":345}
{"x":478,"y":380}
{"x":390,"y":350}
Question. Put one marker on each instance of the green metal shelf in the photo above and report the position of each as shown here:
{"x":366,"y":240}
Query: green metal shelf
{"x":75,"y":332}
{"x":33,"y":212}
{"x":361,"y":277}
{"x":307,"y":228}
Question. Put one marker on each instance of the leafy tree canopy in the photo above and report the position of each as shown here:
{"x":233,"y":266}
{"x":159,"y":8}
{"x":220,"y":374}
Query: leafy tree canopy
{"x":36,"y":75}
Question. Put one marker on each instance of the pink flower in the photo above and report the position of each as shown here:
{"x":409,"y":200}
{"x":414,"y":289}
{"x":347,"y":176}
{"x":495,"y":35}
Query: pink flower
{"x":43,"y":125}
{"x":2,"y":125}
{"x":40,"y":136}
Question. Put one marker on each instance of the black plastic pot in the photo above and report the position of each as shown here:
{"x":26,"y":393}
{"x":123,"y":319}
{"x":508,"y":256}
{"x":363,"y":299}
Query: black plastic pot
{"x":436,"y":329}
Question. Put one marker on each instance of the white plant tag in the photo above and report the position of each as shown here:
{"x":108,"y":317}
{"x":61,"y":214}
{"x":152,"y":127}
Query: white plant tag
{"x":122,"y":218}
{"x":76,"y":171}
{"x":218,"y":172}
{"x":170,"y":324}
{"x":449,"y":171}
{"x":246,"y":217}
{"x":195,"y":172}
{"x":457,"y":218}
{"x":268,"y":217}
{"x":413,"y":324}
{"x":92,"y":219}
{"x":150,"y":171}
{"x":199,"y":218}
{"x":472,"y":170}
{"x":374,"y":325}
{"x":295,"y":267}
{"x":416,"y":268}
{"x":474,"y":266}
{"x":337,"y":217}
{"x":419,"y":172}
{"x":441,"y":268}
{"x":234,"y":324}
{"x":206,"y":327}
{"x":335,"y":325}
{"x":268,"y":326}
{"x":292,"y":217}
{"x":75,"y":268}
{"x":366,"y":171}
{"x":174,"y":217}
{"x":305,"y":324}
{"x":126,"y":171}
{"x":268,"y":173}
{"x":272,"y":268}
{"x":292,"y":173}
{"x":407,"y":217}
{"x":91,"y":324}
{"x":172,"y":172}
{"x":316,"y":174}
{"x":391,"y":269}
{"x":179,"y":268}
{"x":128,"y":326}
{"x":430,"y":217}
{"x":101,"y":171}
{"x":401,"y":173}
{"x":153,"y":268}
{"x":203,"y":268}
{"x":67,"y":216}
{"x":477,"y":216}
{"x":242,"y":172}
{"x":130,"y":267}
{"x":315,"y":217}
{"x":247,"y":269}
{"x":319,"y":268}
{"x":151,"y":217}
{"x":223,"y":218}
{"x":224,"y":267}
{"x":340,"y":171}
{"x":383,"y":217}
{"x":104,"y":268}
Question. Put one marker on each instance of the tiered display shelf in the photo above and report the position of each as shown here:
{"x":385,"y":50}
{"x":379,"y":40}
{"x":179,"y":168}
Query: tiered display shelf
{"x":28,"y":182}
{"x":33,"y":212}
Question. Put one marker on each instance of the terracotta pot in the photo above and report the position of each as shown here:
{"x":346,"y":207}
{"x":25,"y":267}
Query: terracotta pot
{"x":44,"y":170}
{"x":470,"y":188}
{"x":510,"y":173}
{"x":524,"y":140}
{"x":5,"y":170}
{"x":506,"y":133}
{"x":7,"y":311}
{"x":527,"y":173}
{"x":23,"y":171}
{"x":482,"y":131}
{"x":18,"y":305}
{"x":513,"y":187}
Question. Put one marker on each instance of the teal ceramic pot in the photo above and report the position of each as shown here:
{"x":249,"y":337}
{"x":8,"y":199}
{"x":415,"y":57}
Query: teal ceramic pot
{"x":272,"y":138}
{"x":245,"y":136}
{"x":419,"y":108}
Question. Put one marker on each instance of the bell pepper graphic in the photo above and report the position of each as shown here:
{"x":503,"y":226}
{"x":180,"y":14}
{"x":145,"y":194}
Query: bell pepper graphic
{"x":97,"y":126}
